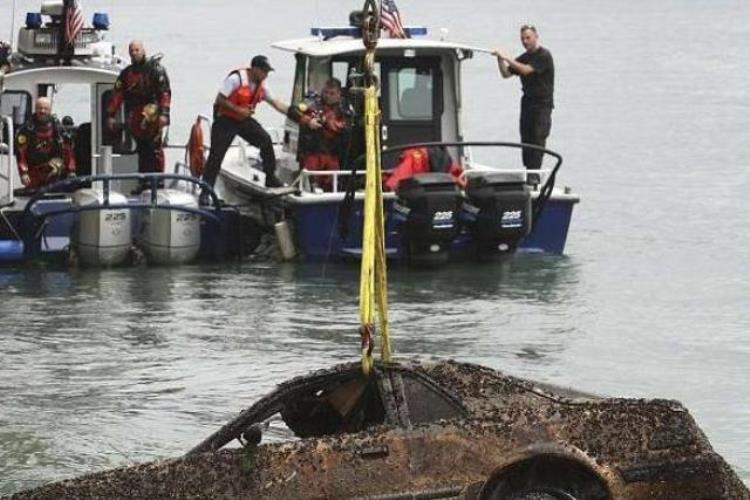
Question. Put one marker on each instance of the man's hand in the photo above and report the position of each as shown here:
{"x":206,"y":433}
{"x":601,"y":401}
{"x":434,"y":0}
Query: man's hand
{"x":314,"y":124}
{"x":25,"y":180}
{"x":163,"y":121}
{"x":110,"y":124}
{"x":499,"y":54}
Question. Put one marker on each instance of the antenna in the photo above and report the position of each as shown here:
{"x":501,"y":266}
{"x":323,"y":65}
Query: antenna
{"x":12,"y":24}
{"x":317,"y":13}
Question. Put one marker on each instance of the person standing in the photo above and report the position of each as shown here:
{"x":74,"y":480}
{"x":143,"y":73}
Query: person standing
{"x":536,"y":69}
{"x":42,"y":154}
{"x":324,"y":125}
{"x":144,"y":88}
{"x":241,"y":92}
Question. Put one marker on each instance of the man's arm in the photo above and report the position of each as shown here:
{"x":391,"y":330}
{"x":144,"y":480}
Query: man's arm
{"x":22,"y":144}
{"x":279,"y":105}
{"x":518,"y":68}
{"x":509,"y":67}
{"x":115,"y":101}
{"x":502,"y":65}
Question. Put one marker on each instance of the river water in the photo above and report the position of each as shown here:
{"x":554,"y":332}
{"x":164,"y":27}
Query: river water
{"x":106,"y":368}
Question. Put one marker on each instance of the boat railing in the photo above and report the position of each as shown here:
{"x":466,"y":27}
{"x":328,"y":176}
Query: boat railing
{"x":151,"y":180}
{"x":32,"y":224}
{"x":306,"y":176}
{"x":535,"y":178}
{"x":7,"y":154}
{"x":544,"y":178}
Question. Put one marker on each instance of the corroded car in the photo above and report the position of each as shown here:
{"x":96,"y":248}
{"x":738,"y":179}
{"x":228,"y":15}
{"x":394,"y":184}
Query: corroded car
{"x":435,"y":430}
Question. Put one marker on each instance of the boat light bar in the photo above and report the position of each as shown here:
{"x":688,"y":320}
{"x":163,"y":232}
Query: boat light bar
{"x":101,"y":21}
{"x":33,"y":20}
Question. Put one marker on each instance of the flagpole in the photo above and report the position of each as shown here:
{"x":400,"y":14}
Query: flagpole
{"x":12,"y":25}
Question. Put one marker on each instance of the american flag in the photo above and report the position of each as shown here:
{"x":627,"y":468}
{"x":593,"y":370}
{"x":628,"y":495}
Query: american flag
{"x":391,"y":19}
{"x":73,"y":20}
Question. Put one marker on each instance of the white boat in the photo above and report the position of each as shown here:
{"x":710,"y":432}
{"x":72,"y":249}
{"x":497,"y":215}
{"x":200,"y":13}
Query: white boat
{"x":421,"y":103}
{"x":54,"y":222}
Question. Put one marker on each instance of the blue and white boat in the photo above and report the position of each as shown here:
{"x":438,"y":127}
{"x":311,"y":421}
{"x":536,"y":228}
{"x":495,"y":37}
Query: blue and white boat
{"x":95,"y":218}
{"x":421,"y":106}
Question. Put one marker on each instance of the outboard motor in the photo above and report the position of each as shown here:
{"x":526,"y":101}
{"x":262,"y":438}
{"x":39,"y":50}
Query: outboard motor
{"x":170,"y":236}
{"x":497,"y":212}
{"x":426,"y":214}
{"x":101,"y":237}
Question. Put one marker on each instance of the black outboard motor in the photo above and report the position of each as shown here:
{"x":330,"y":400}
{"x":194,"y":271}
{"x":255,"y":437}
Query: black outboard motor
{"x":426,"y":213}
{"x":498,"y":212}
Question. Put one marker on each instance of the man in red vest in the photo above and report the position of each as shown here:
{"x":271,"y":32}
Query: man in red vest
{"x":234,"y":107}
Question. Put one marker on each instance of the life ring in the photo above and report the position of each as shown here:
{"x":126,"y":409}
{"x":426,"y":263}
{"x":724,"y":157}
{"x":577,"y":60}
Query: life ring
{"x":195,"y":151}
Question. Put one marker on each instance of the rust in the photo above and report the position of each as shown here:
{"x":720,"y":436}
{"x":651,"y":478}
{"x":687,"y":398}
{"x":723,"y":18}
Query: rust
{"x":421,"y":430}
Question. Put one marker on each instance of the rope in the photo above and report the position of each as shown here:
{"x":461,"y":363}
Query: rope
{"x":373,"y":282}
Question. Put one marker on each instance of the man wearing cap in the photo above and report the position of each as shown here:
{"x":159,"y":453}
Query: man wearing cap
{"x":536,"y":69}
{"x":234,"y":107}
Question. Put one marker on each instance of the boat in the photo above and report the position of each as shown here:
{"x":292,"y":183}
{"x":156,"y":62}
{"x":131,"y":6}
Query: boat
{"x":95,"y":218}
{"x":499,"y":208}
{"x":427,"y":429}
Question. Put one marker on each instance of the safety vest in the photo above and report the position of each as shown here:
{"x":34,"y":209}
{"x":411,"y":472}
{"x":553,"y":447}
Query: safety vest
{"x":243,"y":96}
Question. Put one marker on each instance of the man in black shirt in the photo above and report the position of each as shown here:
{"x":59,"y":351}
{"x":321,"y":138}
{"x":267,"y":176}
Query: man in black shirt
{"x":537,"y":72}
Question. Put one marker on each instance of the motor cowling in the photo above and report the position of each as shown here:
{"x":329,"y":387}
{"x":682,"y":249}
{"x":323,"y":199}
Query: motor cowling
{"x":170,"y":236}
{"x":101,"y":236}
{"x":426,"y":214}
{"x":497,"y":211}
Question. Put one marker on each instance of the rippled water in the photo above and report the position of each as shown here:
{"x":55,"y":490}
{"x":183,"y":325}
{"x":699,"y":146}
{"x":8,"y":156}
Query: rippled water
{"x":104,"y":368}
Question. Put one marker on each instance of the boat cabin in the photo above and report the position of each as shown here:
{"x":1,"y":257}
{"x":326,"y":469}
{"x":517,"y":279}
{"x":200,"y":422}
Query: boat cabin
{"x":419,"y":83}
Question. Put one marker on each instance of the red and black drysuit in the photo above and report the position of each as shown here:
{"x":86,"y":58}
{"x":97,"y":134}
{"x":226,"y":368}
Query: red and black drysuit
{"x":138,"y":86}
{"x":321,"y":149}
{"x":37,"y":143}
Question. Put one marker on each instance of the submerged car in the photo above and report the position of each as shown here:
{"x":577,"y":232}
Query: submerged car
{"x":437,"y":429}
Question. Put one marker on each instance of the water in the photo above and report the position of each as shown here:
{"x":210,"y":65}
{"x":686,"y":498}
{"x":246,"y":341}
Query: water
{"x":107,"y":368}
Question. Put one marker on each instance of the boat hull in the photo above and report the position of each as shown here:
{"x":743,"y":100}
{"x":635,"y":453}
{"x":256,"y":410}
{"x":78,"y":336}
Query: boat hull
{"x":316,"y":226}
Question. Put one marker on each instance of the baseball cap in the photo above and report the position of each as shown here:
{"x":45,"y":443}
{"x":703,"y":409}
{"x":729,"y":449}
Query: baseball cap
{"x":261,"y":62}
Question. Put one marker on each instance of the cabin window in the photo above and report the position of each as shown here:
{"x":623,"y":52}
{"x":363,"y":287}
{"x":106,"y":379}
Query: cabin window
{"x":410,"y":94}
{"x":340,"y":70}
{"x":17,"y":104}
{"x":73,"y":101}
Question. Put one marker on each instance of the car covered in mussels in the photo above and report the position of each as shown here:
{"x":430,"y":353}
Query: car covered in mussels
{"x":434,"y":429}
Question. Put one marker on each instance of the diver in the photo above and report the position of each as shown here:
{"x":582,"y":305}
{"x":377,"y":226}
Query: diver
{"x":324,"y":129}
{"x":42,"y":154}
{"x":144,"y":88}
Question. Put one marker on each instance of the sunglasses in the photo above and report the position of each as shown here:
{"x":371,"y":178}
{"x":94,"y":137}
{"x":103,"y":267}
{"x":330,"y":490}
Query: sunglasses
{"x":528,"y":27}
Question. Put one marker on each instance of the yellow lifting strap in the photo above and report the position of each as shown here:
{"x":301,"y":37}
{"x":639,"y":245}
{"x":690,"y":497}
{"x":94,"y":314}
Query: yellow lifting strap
{"x":373,"y":284}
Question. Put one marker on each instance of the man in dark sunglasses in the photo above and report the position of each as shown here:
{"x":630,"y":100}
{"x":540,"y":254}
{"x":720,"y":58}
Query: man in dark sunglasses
{"x":536,"y":69}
